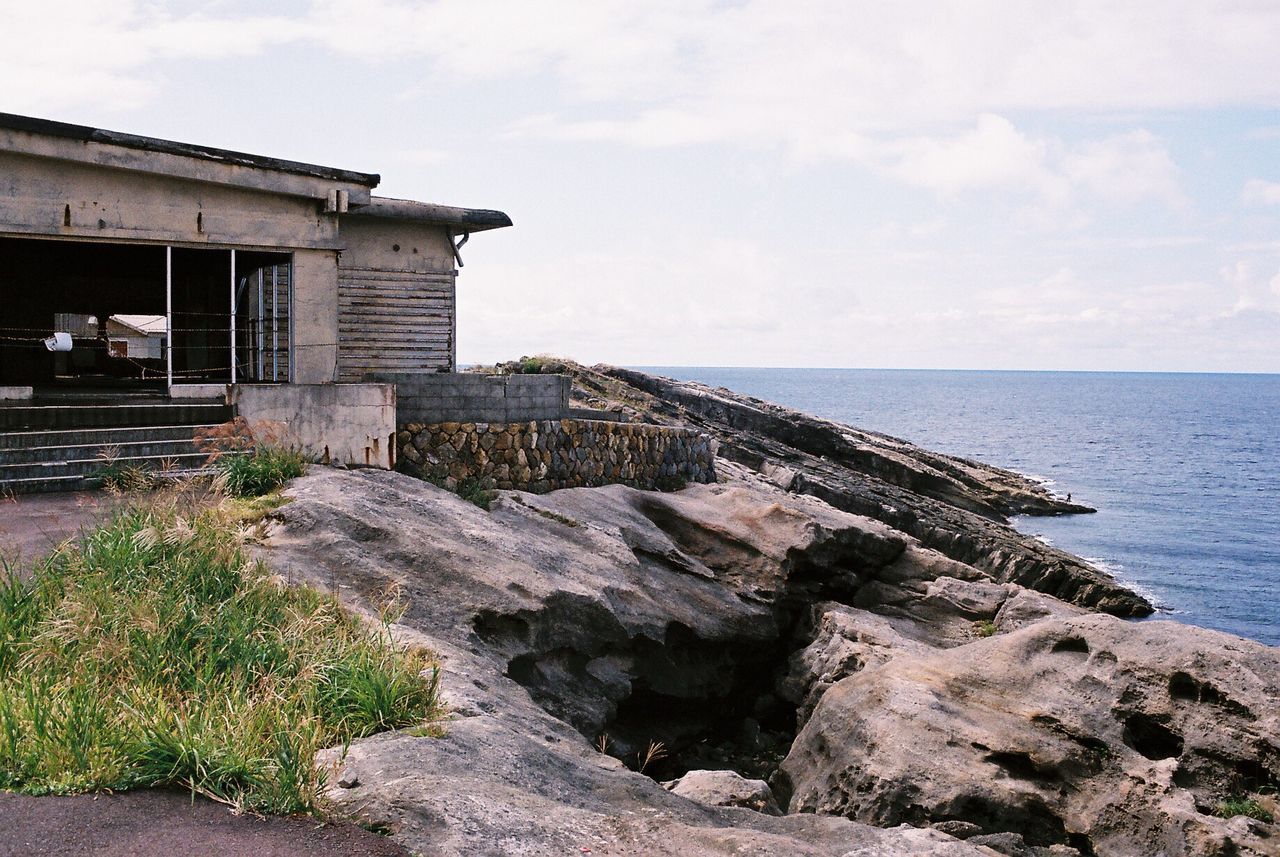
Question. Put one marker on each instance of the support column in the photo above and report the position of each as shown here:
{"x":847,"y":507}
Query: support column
{"x":233,"y":316}
{"x":168,"y":313}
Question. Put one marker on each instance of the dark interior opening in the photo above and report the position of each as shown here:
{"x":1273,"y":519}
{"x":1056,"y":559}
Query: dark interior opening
{"x":110,"y":299}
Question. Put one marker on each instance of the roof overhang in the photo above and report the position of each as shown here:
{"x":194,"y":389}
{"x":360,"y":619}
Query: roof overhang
{"x":457,"y":219}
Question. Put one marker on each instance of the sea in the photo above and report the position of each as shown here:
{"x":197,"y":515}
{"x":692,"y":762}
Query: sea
{"x":1184,"y":469}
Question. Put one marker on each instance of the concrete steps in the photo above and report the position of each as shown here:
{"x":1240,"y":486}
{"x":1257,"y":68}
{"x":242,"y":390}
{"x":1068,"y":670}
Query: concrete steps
{"x":55,"y":416}
{"x":64,"y":446}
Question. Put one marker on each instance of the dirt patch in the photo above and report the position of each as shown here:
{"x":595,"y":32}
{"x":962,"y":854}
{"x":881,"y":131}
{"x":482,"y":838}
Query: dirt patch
{"x":165,"y":824}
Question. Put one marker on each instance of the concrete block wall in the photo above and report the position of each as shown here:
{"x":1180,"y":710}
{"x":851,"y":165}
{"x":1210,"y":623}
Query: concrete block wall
{"x":460,"y":397}
{"x":543,"y":455}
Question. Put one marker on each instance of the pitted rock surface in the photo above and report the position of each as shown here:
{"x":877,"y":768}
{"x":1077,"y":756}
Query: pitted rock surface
{"x":1081,"y":732}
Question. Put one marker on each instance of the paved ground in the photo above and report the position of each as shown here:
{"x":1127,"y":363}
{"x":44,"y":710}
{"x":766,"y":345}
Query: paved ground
{"x":169,"y":824}
{"x":31,"y":525}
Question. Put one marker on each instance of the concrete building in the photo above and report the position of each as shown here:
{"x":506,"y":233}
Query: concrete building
{"x":264,"y":271}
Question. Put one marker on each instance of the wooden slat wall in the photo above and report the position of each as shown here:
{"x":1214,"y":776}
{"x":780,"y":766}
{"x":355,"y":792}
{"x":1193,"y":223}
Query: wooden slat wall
{"x":394,"y":321}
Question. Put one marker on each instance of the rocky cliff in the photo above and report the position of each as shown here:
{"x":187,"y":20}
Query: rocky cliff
{"x":838,"y":649}
{"x":954,"y":505}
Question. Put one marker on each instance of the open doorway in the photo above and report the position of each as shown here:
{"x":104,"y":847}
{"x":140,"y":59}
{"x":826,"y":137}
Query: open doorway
{"x":132,"y":317}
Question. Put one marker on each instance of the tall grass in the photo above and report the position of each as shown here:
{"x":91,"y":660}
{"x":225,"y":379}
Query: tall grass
{"x":259,"y":471}
{"x":251,"y":459}
{"x":156,"y":652}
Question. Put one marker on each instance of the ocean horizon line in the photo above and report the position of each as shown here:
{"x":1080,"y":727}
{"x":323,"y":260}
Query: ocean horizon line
{"x":641,"y":366}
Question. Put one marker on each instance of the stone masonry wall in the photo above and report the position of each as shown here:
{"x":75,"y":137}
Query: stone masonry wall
{"x":547,"y":454}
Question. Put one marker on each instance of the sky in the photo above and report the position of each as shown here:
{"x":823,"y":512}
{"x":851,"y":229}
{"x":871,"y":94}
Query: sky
{"x":1029,"y":185}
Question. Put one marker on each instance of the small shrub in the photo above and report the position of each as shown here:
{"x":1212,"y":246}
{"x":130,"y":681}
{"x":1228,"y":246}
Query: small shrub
{"x":121,"y":477}
{"x":1242,"y":805}
{"x":985,"y":628}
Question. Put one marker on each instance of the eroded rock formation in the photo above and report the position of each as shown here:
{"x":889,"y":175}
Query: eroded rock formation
{"x":1114,"y":737}
{"x":642,"y":617}
{"x":956,"y":506}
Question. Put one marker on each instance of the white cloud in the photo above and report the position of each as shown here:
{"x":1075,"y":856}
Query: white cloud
{"x":65,"y":54}
{"x":808,"y":72}
{"x":1125,"y":168}
{"x":992,"y":155}
{"x":1261,"y":192}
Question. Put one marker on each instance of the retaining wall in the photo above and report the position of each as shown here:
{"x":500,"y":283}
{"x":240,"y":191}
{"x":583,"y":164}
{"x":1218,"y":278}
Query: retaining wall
{"x":543,"y":455}
{"x":346,"y":423}
{"x":437,"y":397}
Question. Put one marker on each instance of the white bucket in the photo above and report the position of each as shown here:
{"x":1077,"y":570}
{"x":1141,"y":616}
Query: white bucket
{"x":60,"y":341}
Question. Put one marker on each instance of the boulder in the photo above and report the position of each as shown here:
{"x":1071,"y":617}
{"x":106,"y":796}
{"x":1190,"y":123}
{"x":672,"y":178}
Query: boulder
{"x":1110,"y":737}
{"x":1026,"y":607}
{"x":725,"y":788}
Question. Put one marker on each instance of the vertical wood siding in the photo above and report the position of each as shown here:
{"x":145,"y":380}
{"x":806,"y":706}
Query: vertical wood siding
{"x":392,"y":321}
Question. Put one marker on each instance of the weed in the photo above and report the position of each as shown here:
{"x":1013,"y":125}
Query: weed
{"x":670,"y":483}
{"x":655,"y":752}
{"x":473,"y":490}
{"x":427,"y":730}
{"x":602,"y":743}
{"x":1242,"y":805}
{"x":155,"y":653}
{"x":120,"y":476}
{"x":251,"y":459}
{"x":985,"y":628}
{"x":558,"y":518}
{"x":253,"y":510}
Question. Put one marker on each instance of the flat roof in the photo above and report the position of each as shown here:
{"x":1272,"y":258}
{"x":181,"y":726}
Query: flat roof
{"x":86,"y":134}
{"x":464,"y":219}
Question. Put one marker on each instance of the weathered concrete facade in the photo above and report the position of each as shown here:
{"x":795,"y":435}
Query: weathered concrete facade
{"x":544,"y":455}
{"x":353,"y":424}
{"x":371,"y":281}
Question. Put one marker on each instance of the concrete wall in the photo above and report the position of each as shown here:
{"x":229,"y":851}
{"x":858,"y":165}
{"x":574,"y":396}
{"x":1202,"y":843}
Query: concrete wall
{"x":41,"y":195}
{"x":468,"y":397}
{"x":395,"y":245}
{"x":549,"y":454}
{"x":352,"y":424}
{"x":315,"y":316}
{"x":215,"y":171}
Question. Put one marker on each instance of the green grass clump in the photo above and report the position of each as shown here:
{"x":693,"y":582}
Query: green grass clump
{"x":260,"y":471}
{"x":1241,"y":805}
{"x":156,"y":653}
{"x":473,"y":490}
{"x":985,"y":628}
{"x":121,"y":477}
